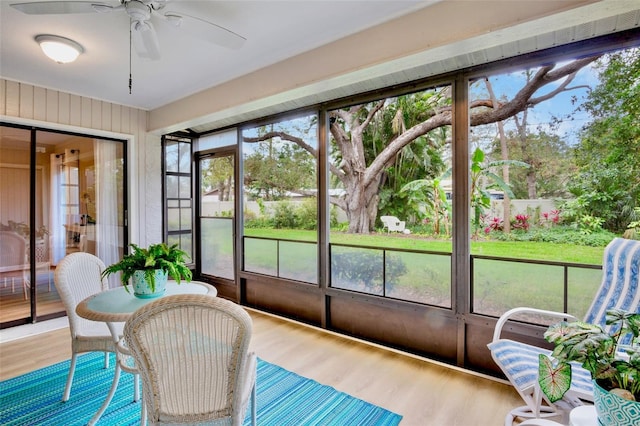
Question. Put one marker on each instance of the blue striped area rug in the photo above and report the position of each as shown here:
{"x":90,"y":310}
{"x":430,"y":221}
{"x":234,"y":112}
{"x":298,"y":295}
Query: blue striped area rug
{"x":284,"y":399}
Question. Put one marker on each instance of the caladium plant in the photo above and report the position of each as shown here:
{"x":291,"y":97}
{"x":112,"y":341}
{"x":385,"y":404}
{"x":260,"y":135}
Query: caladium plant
{"x":615,"y":367}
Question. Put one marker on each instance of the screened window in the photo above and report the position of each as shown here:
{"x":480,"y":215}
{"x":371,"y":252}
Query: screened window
{"x":178,"y":193}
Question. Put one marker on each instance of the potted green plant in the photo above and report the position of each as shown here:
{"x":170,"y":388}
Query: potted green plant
{"x":614,"y":367}
{"x":149,"y":268}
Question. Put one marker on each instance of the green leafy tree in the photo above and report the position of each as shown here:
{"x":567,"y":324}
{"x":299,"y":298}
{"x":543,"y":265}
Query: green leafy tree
{"x":608,"y":156}
{"x":218,"y":174}
{"x":429,"y":199}
{"x":551,"y":165}
{"x":276,"y":168}
{"x":484,"y":178}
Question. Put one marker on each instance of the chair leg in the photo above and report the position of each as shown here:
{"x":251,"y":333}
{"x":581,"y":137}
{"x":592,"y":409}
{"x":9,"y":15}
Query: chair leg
{"x":106,"y":360}
{"x":143,"y":414}
{"x":253,"y":406}
{"x":136,"y":387}
{"x":72,"y":369}
{"x":25,"y":286}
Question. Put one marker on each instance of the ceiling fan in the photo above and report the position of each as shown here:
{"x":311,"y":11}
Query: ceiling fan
{"x":141,"y":13}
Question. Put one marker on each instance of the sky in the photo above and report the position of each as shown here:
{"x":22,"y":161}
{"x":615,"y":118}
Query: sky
{"x":560,"y":105}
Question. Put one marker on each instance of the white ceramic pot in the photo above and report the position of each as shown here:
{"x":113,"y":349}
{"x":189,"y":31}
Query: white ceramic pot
{"x":141,"y":288}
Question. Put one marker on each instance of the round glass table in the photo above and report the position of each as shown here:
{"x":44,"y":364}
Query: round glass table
{"x":117,"y":305}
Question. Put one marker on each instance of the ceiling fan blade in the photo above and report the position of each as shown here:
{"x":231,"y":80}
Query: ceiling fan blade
{"x":205,"y":30}
{"x":145,"y":40}
{"x":57,"y":7}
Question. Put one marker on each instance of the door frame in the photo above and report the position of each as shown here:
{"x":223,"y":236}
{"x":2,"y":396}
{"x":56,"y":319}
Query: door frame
{"x":228,"y":288}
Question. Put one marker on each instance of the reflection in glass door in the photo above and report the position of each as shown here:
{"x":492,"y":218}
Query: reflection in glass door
{"x":15,"y":205}
{"x":217,"y":213}
{"x":59,"y":194}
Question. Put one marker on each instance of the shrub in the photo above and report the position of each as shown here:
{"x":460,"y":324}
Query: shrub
{"x":284,"y":215}
{"x":494,"y":224}
{"x":358,"y":267}
{"x":521,"y":222}
{"x":551,"y":218}
{"x":559,"y":235}
{"x":307,"y":214}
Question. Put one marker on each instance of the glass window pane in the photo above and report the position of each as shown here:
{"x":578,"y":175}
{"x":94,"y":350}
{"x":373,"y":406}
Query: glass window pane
{"x":15,"y":208}
{"x":261,"y":256}
{"x":217,"y":189}
{"x":418,"y":277}
{"x":501,"y":285}
{"x":217,"y":247}
{"x":185,"y":218}
{"x":299,"y":261}
{"x":173,"y":219}
{"x":184,"y":242}
{"x":280,"y":177}
{"x":185,"y":187}
{"x":582,"y":286}
{"x":172,"y":156}
{"x":357,"y":269}
{"x":185,"y":157}
{"x":172,"y":186}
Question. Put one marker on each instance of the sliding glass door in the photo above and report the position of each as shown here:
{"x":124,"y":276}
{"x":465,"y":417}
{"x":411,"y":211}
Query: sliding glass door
{"x":60,"y":193}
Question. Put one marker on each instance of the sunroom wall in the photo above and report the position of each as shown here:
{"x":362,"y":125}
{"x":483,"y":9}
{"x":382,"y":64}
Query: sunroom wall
{"x":29,"y":105}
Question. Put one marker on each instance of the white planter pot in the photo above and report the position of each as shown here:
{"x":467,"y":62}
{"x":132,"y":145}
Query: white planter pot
{"x":141,"y":288}
{"x":613,"y":410}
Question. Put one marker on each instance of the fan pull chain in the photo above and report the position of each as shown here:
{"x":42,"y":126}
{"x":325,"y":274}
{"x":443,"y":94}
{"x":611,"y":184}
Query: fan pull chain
{"x":130,"y":41}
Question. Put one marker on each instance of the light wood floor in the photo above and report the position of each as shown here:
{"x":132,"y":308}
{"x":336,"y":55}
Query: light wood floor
{"x":14,"y":306}
{"x":423,"y":392}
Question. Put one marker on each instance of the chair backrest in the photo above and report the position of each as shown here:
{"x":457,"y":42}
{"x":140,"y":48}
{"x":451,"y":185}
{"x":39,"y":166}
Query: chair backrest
{"x":620,"y":277}
{"x":78,"y":276}
{"x":392,"y":223}
{"x":386,"y":220}
{"x":13,"y":251}
{"x":190,"y":351}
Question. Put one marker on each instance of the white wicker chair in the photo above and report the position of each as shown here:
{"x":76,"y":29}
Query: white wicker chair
{"x":13,"y":259}
{"x":192,"y":352}
{"x":77,"y":277}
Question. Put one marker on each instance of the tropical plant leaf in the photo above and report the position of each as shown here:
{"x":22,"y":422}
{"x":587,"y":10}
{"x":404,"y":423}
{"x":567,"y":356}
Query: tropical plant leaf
{"x":556,"y":332}
{"x":633,"y":322}
{"x":554,"y":380}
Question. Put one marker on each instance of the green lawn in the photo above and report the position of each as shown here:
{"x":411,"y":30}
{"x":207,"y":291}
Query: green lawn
{"x":509,"y":249}
{"x":498,"y":284}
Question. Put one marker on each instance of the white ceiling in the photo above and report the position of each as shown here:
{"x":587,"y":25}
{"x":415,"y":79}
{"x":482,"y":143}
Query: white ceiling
{"x":275,"y":30}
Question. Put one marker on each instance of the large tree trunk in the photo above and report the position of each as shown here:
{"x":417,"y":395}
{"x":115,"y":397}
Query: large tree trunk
{"x":361,"y":208}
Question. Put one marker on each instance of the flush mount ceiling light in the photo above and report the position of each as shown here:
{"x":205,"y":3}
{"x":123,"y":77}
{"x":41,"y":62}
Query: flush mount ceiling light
{"x":60,"y":49}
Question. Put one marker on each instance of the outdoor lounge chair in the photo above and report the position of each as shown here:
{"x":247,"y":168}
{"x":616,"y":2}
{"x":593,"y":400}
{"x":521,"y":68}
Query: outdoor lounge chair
{"x":519,"y":361}
{"x":392,"y":223}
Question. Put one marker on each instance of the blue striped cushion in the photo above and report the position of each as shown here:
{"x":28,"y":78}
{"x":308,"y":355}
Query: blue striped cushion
{"x":620,"y":276}
{"x":519,"y":362}
{"x":618,"y":289}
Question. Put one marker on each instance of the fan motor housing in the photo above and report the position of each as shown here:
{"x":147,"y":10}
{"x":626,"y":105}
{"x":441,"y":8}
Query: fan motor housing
{"x":137,"y":10}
